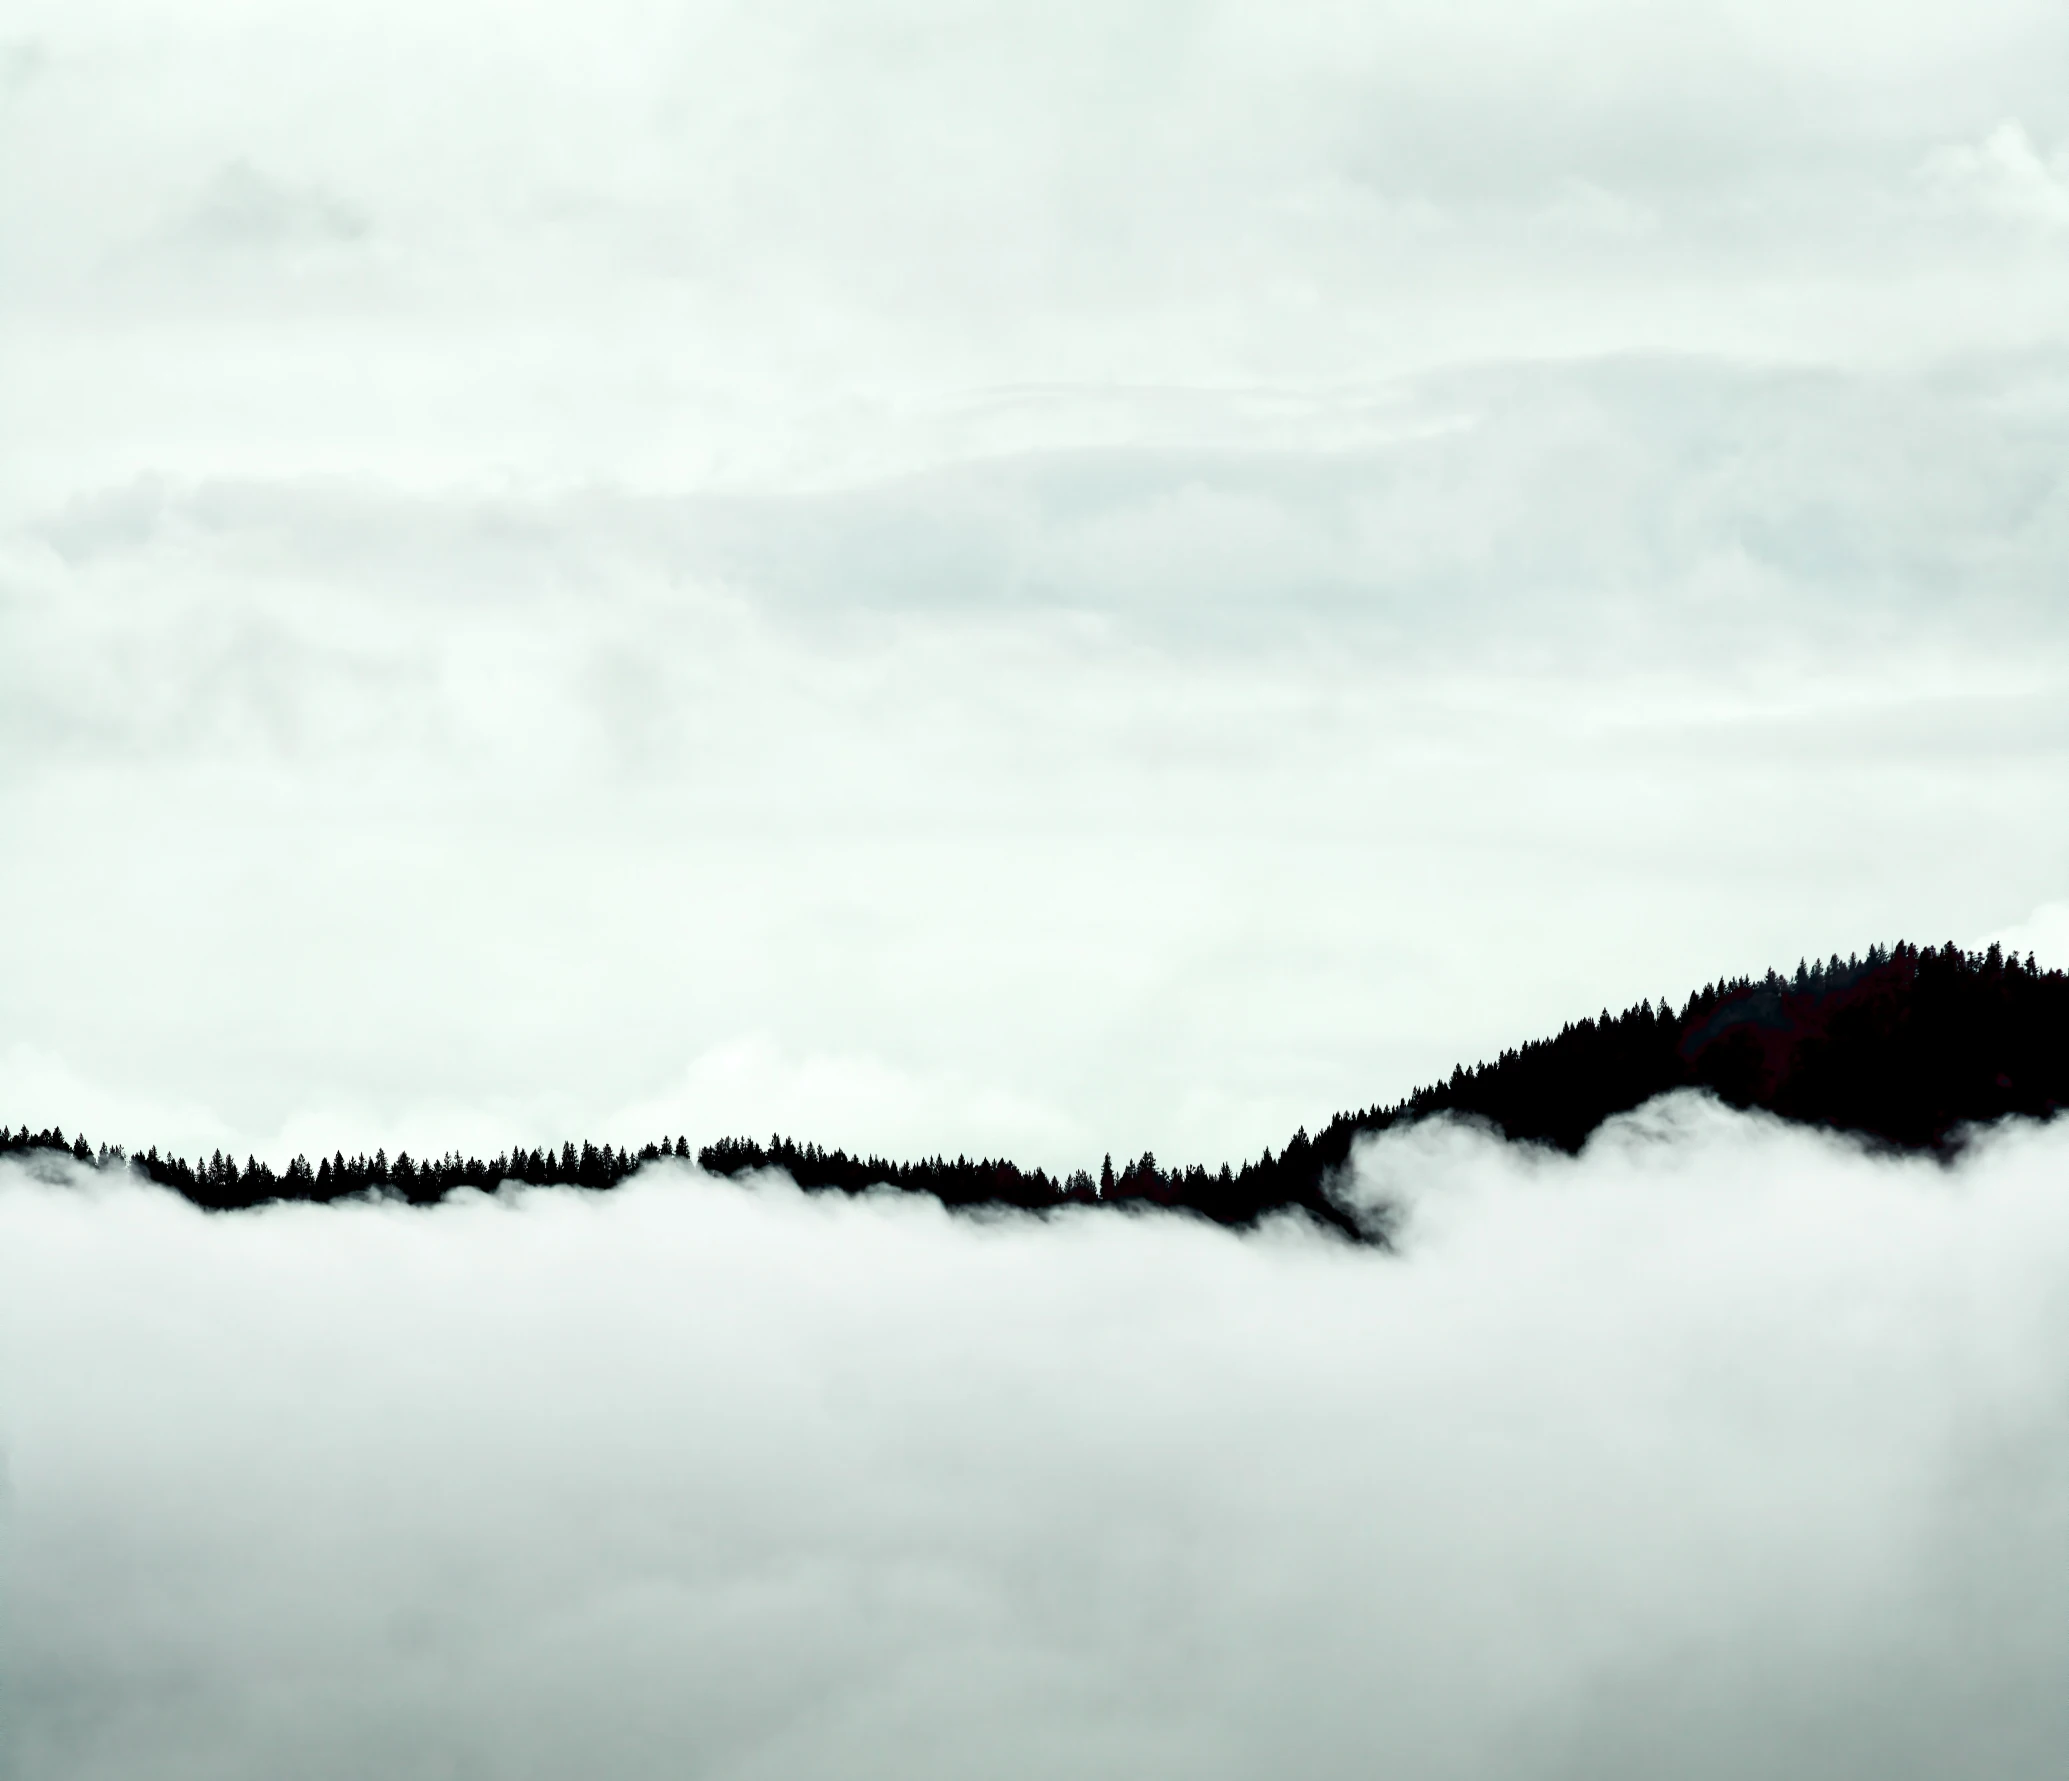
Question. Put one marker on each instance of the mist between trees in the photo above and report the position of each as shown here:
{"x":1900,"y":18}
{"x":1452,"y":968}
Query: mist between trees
{"x":1906,"y":1047}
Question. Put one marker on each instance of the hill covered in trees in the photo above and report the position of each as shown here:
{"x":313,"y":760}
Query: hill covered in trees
{"x":1906,"y":1047}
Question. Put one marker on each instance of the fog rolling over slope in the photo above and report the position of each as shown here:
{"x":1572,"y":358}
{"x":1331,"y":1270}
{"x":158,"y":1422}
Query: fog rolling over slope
{"x":1722,"y":1449}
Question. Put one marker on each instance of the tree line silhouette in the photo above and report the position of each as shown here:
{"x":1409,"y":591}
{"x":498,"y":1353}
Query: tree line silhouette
{"x":1905,"y":1047}
{"x":219,"y":1185}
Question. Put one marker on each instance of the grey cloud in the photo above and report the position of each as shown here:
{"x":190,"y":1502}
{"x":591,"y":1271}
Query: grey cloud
{"x":105,"y":521}
{"x":244,"y":209}
{"x":1723,"y":1449}
{"x":22,"y":63}
{"x":1691,"y":503}
{"x":2006,"y":177}
{"x":917,"y":197}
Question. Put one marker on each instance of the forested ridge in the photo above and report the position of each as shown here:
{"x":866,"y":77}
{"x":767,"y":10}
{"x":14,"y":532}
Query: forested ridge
{"x":1906,"y":1047}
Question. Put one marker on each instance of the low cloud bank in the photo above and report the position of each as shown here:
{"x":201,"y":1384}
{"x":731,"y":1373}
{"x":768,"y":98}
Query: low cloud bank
{"x":1722,"y":1449}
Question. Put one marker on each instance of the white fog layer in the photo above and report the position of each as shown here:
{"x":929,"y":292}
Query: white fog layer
{"x":1721,"y":1451}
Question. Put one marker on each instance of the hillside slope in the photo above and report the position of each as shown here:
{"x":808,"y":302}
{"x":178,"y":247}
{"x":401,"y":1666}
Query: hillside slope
{"x":1906,"y":1047}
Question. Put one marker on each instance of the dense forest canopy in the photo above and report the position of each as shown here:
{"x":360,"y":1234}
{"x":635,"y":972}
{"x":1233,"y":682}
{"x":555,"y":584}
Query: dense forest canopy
{"x":1906,"y":1047}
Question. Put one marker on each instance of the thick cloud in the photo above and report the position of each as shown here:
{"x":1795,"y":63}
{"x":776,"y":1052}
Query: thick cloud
{"x":1723,"y":1450}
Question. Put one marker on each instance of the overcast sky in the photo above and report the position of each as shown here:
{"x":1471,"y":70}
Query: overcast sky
{"x":1044,"y":579}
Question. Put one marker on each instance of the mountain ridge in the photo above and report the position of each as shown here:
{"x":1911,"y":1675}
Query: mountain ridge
{"x":1907,"y":1048}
